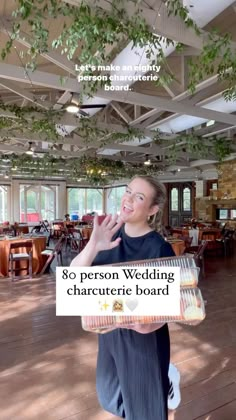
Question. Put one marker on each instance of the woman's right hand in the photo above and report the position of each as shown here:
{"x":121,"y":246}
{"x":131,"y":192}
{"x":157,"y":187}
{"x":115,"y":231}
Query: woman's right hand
{"x":100,"y":240}
{"x":102,"y":234}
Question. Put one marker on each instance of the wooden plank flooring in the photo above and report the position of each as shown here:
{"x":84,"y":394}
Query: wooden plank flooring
{"x":47,"y":363}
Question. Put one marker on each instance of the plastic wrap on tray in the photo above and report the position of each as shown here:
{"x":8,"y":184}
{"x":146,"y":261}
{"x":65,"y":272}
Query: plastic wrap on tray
{"x":189,"y":272}
{"x":192,"y":311}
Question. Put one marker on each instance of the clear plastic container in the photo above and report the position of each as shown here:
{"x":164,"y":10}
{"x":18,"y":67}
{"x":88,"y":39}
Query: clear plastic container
{"x":192,"y":311}
{"x":189,"y":272}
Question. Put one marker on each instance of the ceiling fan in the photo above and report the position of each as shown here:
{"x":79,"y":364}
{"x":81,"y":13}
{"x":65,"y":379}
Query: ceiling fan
{"x":78,"y":109}
{"x":75,"y":106}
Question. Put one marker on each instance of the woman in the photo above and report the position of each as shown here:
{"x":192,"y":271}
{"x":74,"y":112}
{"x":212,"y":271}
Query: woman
{"x":132,"y":366}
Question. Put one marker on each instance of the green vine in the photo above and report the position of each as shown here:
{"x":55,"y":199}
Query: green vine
{"x":103,"y":171}
{"x":222,"y":148}
{"x":216,"y":57}
{"x":43,"y":123}
{"x":200,"y":147}
{"x":176,"y":8}
{"x":88,"y":31}
{"x":93,"y":170}
{"x":36,"y":120}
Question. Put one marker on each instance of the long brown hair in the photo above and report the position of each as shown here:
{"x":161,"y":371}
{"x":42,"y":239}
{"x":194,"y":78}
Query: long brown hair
{"x":159,"y":198}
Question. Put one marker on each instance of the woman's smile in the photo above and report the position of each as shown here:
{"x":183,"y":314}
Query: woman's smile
{"x":127,"y":208}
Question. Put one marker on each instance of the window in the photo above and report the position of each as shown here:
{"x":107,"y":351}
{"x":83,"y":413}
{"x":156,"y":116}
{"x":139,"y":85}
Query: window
{"x":76,"y":201}
{"x":114,"y":199}
{"x":174,"y":199}
{"x":85,"y":200}
{"x":94,"y":201}
{"x":186,"y":199}
{"x":3,"y":204}
{"x":37,"y":202}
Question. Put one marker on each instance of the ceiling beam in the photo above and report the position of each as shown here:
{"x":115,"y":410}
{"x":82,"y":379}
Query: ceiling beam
{"x":186,"y":52}
{"x":200,"y":87}
{"x":159,"y":21}
{"x":39,"y":78}
{"x":198,"y":98}
{"x":169,"y":26}
{"x":54,"y":57}
{"x":192,"y":101}
{"x":137,"y":111}
{"x":144,"y":116}
{"x":169,"y":105}
{"x":8,"y":71}
{"x":147,"y":123}
{"x":153,"y":150}
{"x":64,"y":98}
{"x":219,"y":131}
{"x":28,"y":136}
{"x":170,"y":90}
{"x":24,"y":94}
{"x":121,"y":112}
{"x":62,"y":153}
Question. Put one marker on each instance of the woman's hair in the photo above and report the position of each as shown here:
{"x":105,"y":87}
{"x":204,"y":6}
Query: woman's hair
{"x":159,"y":198}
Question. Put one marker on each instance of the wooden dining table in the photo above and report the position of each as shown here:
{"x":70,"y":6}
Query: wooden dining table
{"x":39,"y":244}
{"x":16,"y":228}
{"x":203,"y":233}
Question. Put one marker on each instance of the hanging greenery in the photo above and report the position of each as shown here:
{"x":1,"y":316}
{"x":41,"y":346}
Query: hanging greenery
{"x":102,"y":171}
{"x":84,"y":169}
{"x":43,"y":123}
{"x":200,"y":147}
{"x":84,"y":38}
{"x":32,"y":118}
{"x":216,"y":57}
{"x":88,"y":31}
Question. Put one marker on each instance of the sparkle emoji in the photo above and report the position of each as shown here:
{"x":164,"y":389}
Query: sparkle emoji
{"x":103,"y":305}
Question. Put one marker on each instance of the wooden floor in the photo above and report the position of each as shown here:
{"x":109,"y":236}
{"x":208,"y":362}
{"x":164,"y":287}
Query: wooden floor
{"x":47,"y":363}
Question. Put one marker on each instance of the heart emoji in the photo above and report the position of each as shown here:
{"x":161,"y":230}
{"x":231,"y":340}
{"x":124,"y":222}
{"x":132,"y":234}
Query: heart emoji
{"x":131,"y":304}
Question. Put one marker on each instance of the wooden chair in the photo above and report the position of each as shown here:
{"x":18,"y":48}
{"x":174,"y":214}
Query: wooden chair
{"x":45,"y":225}
{"x":51,"y":254}
{"x":56,"y":251}
{"x":8,"y":231}
{"x":197,"y":252}
{"x":77,"y":240}
{"x":176,"y":233}
{"x":214,"y":247}
{"x":84,"y":238}
{"x":36,"y":229}
{"x":58,"y":230}
{"x":15,"y":258}
{"x":46,"y":267}
{"x":227,"y":242}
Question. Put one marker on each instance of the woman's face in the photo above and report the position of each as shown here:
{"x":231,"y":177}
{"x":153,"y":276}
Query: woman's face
{"x":136,"y":203}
